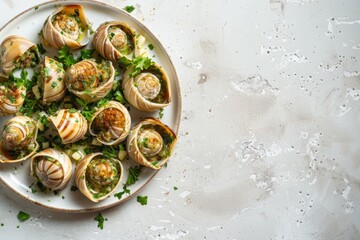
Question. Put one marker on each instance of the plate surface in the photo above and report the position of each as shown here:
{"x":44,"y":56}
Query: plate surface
{"x":16,"y":176}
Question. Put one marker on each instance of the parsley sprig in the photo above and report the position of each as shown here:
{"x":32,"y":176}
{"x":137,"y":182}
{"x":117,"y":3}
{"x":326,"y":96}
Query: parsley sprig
{"x":100,"y":219}
{"x":138,"y":64}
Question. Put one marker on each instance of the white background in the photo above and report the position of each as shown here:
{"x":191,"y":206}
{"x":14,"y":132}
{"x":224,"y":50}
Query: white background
{"x":269,"y":140}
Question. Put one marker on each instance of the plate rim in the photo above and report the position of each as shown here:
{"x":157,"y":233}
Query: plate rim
{"x":179,"y":111}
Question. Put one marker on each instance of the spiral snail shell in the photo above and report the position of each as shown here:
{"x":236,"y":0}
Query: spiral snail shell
{"x":114,"y":40}
{"x":90,"y":81}
{"x":18,"y":52}
{"x":66,"y":26}
{"x":53,"y":168}
{"x":111,"y":123}
{"x":18,"y":139}
{"x":150,"y":143}
{"x":97,"y":176}
{"x":11,"y":97}
{"x":70,"y":125}
{"x":149,"y":90}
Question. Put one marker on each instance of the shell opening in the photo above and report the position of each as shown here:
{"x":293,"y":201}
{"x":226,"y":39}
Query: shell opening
{"x":109,"y":124}
{"x":148,"y":85}
{"x":150,"y":142}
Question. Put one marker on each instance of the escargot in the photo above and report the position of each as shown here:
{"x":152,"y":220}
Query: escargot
{"x":68,"y":26}
{"x":114,"y":40}
{"x":149,"y":90}
{"x":18,"y":52}
{"x":98,"y":176}
{"x":18,"y":139}
{"x":150,"y":143}
{"x":50,"y":80}
{"x":89,"y":80}
{"x":70,"y":125}
{"x":53,"y":168}
{"x":11,"y":96}
{"x":110,"y":123}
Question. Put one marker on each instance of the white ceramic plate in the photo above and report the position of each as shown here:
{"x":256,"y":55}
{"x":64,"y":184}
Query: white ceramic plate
{"x":16,"y":176}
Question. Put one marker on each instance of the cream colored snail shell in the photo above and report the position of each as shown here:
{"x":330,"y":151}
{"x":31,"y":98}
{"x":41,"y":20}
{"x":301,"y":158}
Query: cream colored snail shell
{"x":18,"y":52}
{"x":11,"y":98}
{"x":70,"y":125}
{"x":53,"y":168}
{"x":114,"y":40}
{"x":68,"y":26}
{"x":97,"y":176}
{"x":111,"y":123}
{"x":18,"y":141}
{"x":89,"y":80}
{"x":150,"y":143}
{"x":51,"y":80}
{"x":149,"y":90}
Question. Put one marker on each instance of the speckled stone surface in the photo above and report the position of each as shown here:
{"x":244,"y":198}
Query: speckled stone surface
{"x":269,"y":140}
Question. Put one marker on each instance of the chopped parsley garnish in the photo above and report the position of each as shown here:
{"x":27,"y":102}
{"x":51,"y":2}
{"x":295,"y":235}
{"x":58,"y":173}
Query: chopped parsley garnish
{"x":66,"y":57}
{"x":41,"y":48}
{"x":100,"y":219}
{"x":134,"y":173}
{"x":109,"y":152}
{"x":139,"y":64}
{"x":129,"y":9}
{"x":151,"y":47}
{"x":120,"y":194}
{"x":175,"y":188}
{"x":142,"y":200}
{"x":23,"y":216}
{"x":36,"y":8}
{"x":124,"y":61}
{"x":86,"y":54}
{"x":161,"y":113}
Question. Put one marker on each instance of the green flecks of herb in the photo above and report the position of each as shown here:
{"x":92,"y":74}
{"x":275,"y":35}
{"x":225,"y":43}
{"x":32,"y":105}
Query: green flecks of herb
{"x":82,"y":103}
{"x":144,"y":142}
{"x":74,"y":188}
{"x":29,"y":107}
{"x":2,"y":224}
{"x":41,"y":187}
{"x":142,"y":200}
{"x":36,"y":8}
{"x":139,"y":64}
{"x":88,"y":114}
{"x":124,"y":61}
{"x":175,"y":188}
{"x":161,"y":113}
{"x":134,"y":173}
{"x":54,"y":84}
{"x":111,"y":35}
{"x":12,"y":98}
{"x":150,"y":46}
{"x":41,"y":48}
{"x":129,"y":9}
{"x":102,"y":102}
{"x":71,"y":110}
{"x":85,"y":54}
{"x":17,"y":226}
{"x":62,"y":197}
{"x":87,"y":151}
{"x":109,"y":152}
{"x":66,"y":57}
{"x":23,"y":216}
{"x":120,"y":97}
{"x":53,"y":108}
{"x":100,"y":219}
{"x":44,"y":120}
{"x":40,"y":34}
{"x":168,"y":139}
{"x":33,"y":190}
{"x":120,"y":194}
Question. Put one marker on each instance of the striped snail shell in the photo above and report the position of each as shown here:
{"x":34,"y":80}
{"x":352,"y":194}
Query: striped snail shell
{"x":53,"y":168}
{"x":70,"y":125}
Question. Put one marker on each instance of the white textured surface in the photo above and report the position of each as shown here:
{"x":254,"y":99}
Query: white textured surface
{"x":269,"y":142}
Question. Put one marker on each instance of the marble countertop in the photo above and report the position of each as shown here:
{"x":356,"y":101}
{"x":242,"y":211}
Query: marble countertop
{"x":269,"y":143}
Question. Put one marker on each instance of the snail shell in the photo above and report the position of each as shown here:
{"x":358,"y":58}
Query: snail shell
{"x":114,"y":40}
{"x":18,"y":139}
{"x":90,"y":81}
{"x":53,"y":168}
{"x":11,"y":97}
{"x":68,"y":26}
{"x":18,"y":52}
{"x":150,"y":143}
{"x":50,"y":77}
{"x":149,"y":90}
{"x":70,"y":125}
{"x":111,"y":123}
{"x":97,"y":176}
